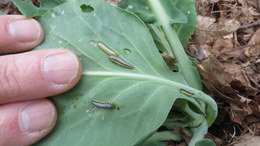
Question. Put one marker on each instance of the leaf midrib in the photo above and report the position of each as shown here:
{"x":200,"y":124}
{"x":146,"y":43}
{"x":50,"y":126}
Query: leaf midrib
{"x":136,"y":76}
{"x":163,"y":81}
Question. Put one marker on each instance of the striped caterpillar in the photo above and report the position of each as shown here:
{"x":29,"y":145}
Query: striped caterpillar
{"x":101,"y":104}
{"x":121,"y":62}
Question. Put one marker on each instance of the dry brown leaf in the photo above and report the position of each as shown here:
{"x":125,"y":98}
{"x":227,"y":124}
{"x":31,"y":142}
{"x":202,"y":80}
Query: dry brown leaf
{"x":258,"y":5}
{"x":255,"y":38}
{"x":206,"y":30}
{"x":222,"y":45}
{"x":229,"y":26}
{"x":213,"y":1}
{"x":250,"y":141}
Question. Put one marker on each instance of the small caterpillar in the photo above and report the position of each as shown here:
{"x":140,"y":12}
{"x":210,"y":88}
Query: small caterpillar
{"x":187,"y":93}
{"x":121,"y":62}
{"x":106,"y":49}
{"x":101,"y":104}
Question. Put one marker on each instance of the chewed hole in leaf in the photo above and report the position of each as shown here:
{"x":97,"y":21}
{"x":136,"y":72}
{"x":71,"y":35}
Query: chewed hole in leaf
{"x":36,"y":3}
{"x":86,"y":8}
{"x":127,"y":51}
{"x":176,"y":68}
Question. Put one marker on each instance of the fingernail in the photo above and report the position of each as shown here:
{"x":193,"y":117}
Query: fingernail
{"x":60,"y":68}
{"x":37,"y":117}
{"x":27,"y":30}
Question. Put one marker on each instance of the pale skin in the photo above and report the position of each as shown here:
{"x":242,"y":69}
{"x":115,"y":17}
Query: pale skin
{"x":27,"y":78}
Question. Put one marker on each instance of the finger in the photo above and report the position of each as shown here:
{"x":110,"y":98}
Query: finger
{"x":37,"y":74}
{"x":18,"y":33}
{"x":25,"y":123}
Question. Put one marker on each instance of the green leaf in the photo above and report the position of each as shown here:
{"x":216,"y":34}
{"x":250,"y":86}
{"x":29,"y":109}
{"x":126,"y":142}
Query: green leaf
{"x":141,"y":8}
{"x":157,"y":138}
{"x":27,"y":8}
{"x":205,"y":142}
{"x":181,"y":14}
{"x":186,"y":67}
{"x":169,"y":34}
{"x":144,"y":95}
{"x":48,"y":4}
{"x":154,"y":143}
{"x":160,"y":39}
{"x":185,"y":30}
{"x":198,"y":134}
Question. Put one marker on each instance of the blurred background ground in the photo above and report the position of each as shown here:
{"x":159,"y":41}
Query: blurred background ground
{"x":226,"y":45}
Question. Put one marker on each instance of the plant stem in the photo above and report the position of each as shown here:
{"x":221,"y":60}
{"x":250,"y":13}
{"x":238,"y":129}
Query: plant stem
{"x":185,"y":66}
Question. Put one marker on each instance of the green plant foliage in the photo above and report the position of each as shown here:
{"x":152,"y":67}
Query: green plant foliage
{"x":157,"y":138}
{"x":181,"y":14}
{"x":165,"y":20}
{"x":185,"y":30}
{"x":141,"y":8}
{"x":30,"y":10}
{"x":48,"y":4}
{"x":205,"y":142}
{"x":160,"y":39}
{"x":143,"y":95}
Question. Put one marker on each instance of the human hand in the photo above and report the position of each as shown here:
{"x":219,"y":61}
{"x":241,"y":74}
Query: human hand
{"x":26,"y":79}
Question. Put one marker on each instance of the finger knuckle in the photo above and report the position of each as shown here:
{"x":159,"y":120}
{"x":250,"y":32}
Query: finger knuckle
{"x":9,"y":77}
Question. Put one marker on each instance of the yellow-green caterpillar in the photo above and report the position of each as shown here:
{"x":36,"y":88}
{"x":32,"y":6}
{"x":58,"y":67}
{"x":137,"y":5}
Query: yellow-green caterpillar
{"x":187,"y":93}
{"x":106,"y":49}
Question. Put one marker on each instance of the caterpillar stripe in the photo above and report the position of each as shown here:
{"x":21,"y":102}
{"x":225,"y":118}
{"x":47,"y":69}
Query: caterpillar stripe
{"x":106,"y":49}
{"x":101,"y":104}
{"x":121,"y":62}
{"x":187,"y":93}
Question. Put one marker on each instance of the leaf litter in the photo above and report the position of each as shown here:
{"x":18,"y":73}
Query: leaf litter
{"x":227,"y":45}
{"x":7,"y":7}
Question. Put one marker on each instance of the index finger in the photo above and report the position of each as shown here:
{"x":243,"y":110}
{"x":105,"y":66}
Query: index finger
{"x":18,"y":33}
